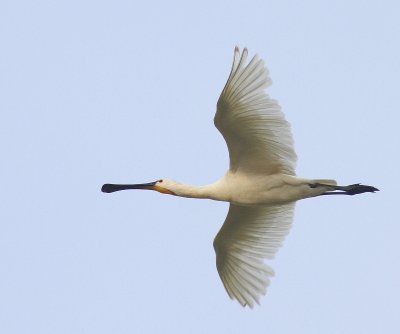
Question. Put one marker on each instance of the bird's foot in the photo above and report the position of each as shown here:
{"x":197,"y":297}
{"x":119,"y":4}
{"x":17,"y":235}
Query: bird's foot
{"x":358,"y":188}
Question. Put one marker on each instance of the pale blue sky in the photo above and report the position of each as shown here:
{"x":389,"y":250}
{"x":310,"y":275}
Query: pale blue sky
{"x":125,"y":91}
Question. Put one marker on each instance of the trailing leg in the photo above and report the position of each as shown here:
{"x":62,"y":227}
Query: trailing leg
{"x":352,"y":189}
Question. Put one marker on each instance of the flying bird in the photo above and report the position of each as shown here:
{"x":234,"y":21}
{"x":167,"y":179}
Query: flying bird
{"x":261,"y":184}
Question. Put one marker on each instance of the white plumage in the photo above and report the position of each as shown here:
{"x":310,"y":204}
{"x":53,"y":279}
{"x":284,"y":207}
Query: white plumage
{"x":260,"y":183}
{"x":256,"y":132}
{"x":259,"y":142}
{"x":248,"y":236}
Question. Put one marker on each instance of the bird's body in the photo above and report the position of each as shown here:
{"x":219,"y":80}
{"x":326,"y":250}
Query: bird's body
{"x":252,"y":189}
{"x":260,"y":184}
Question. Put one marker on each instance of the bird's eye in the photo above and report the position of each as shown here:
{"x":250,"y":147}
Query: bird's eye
{"x":160,"y":181}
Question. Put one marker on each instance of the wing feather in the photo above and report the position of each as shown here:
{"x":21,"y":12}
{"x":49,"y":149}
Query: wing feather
{"x":257,"y":135}
{"x":248,"y":237}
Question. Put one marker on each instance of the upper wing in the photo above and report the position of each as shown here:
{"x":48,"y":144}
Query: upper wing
{"x":255,"y":130}
{"x":248,"y":236}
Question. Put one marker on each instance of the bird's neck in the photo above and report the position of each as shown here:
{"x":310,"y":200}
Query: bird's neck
{"x":209,"y":191}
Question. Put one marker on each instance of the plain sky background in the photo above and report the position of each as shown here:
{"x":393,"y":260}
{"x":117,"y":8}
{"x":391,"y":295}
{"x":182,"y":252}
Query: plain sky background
{"x":125,"y":92}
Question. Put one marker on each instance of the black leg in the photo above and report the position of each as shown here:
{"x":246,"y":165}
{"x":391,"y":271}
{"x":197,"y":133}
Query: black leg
{"x":352,"y":189}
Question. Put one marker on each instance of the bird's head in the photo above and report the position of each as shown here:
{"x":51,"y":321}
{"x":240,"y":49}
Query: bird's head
{"x":164,"y":186}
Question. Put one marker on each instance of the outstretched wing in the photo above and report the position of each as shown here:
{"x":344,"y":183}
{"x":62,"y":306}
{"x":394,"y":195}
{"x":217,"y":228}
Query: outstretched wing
{"x":248,"y":236}
{"x":258,"y":136}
